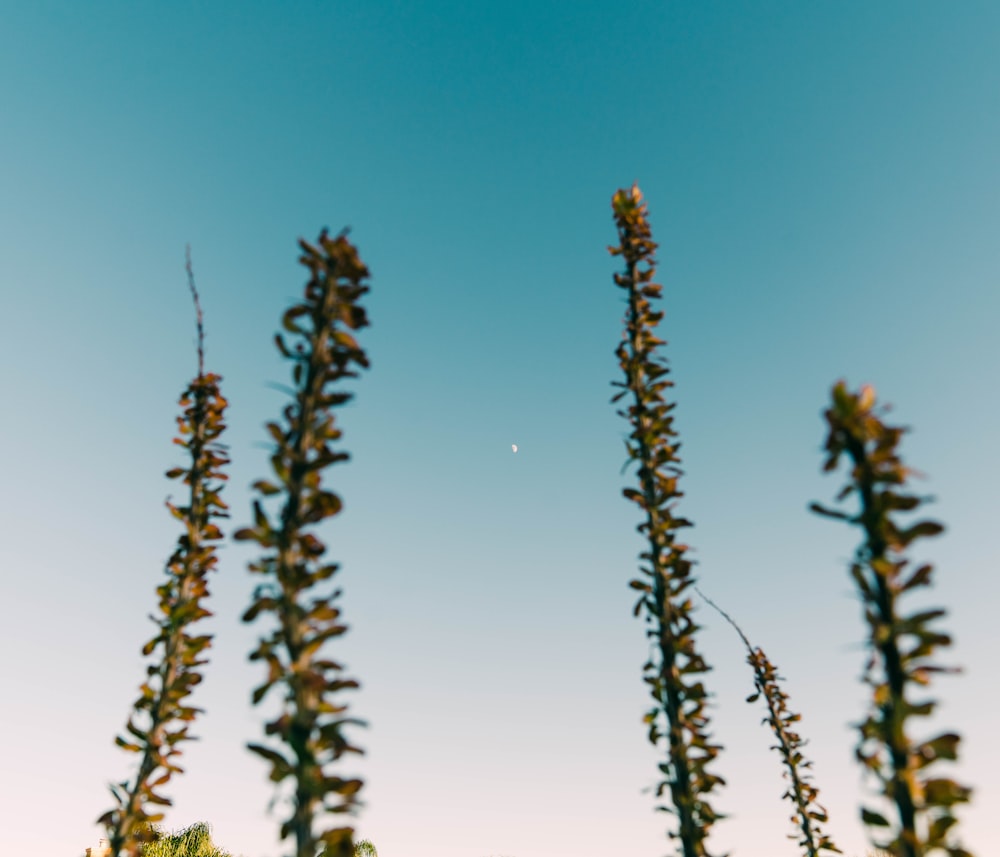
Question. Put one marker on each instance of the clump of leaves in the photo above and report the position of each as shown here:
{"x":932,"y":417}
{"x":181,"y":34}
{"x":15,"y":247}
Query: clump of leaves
{"x":161,"y":716}
{"x":801,"y":792}
{"x":193,"y":841}
{"x":674,"y":669}
{"x":311,"y":723}
{"x":901,"y":646}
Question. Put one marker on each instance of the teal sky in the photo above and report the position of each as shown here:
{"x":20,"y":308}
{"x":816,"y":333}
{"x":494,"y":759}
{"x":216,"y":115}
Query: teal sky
{"x":823,"y":182}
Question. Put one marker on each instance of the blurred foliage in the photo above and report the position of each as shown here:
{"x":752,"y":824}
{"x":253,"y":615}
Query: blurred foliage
{"x":311,"y":724}
{"x":801,"y":792}
{"x":161,"y":716}
{"x":901,"y":646}
{"x":674,"y":668}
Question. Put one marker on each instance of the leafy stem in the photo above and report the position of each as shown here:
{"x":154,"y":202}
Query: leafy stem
{"x":673,"y":669}
{"x":924,"y":805}
{"x":310,"y":722}
{"x":161,"y":718}
{"x":801,"y":792}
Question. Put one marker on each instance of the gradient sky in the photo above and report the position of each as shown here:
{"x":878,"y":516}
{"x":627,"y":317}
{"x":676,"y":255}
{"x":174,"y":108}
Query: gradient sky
{"x":823,"y":181}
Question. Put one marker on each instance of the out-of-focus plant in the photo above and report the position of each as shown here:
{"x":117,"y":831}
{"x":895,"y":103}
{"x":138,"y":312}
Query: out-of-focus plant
{"x":901,"y":646}
{"x":674,"y":669}
{"x":305,"y":618}
{"x":801,"y":792}
{"x":161,"y":717}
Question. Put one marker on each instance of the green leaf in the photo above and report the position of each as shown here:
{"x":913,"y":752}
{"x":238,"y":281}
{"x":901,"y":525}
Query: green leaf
{"x":829,"y":513}
{"x":280,"y":766}
{"x":266,"y":488}
{"x":873,"y":819}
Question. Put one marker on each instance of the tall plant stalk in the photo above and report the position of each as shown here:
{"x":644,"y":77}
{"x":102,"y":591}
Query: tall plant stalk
{"x":803,"y":795}
{"x":900,"y":646}
{"x":674,"y":669}
{"x":311,"y":723}
{"x":161,"y":717}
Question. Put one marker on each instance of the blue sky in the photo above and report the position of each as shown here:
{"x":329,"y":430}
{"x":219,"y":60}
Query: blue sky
{"x":822,"y":179}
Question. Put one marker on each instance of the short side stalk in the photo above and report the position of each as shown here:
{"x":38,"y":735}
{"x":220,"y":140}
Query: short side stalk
{"x":801,"y":792}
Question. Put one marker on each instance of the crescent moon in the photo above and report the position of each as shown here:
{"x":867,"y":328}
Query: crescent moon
{"x":513,"y":447}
